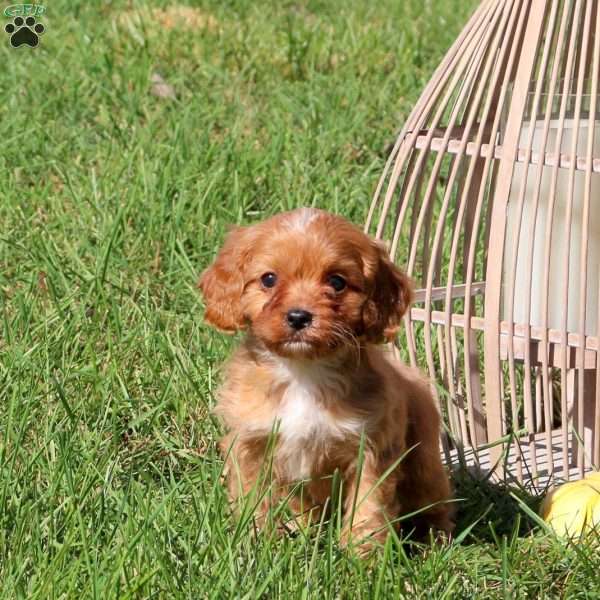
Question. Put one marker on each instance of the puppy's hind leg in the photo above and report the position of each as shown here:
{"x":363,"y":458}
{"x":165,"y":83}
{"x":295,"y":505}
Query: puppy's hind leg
{"x":424,"y":485}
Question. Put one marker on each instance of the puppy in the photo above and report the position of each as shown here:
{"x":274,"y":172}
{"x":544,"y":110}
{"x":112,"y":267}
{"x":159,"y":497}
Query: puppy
{"x":309,"y":384}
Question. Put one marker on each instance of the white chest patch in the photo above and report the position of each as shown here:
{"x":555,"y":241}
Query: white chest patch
{"x":305,"y":423}
{"x":303,"y":415}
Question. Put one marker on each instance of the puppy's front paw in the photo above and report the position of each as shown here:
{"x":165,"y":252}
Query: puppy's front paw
{"x":442,"y":537}
{"x":442,"y":524}
{"x":437,"y":527}
{"x":362,"y":541}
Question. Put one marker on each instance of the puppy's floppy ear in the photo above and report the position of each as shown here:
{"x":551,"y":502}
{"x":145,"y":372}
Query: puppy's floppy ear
{"x":390,"y":297}
{"x":222,"y":284}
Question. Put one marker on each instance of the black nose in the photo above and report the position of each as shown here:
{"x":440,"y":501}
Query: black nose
{"x":298,"y":318}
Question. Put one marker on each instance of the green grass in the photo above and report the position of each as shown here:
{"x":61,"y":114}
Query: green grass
{"x":112,"y":200}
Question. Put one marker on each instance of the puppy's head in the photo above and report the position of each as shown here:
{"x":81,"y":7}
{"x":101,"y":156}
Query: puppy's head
{"x":306,"y":283}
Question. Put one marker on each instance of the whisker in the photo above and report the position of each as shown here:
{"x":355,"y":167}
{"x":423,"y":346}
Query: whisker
{"x":346,"y":336}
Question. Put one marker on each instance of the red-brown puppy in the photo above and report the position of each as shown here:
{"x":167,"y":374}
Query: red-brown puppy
{"x":317,"y":296}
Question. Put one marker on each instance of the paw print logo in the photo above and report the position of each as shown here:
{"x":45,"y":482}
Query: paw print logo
{"x":24,"y":31}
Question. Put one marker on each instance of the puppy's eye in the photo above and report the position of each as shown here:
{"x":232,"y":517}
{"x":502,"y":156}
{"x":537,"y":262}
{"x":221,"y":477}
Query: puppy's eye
{"x":337,"y":282}
{"x":268,"y":280}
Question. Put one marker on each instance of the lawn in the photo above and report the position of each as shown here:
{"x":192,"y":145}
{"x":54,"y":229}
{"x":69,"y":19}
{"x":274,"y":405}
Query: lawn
{"x":131,"y":138}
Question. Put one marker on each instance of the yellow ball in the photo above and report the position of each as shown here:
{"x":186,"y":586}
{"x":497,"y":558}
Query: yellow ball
{"x":573,"y":508}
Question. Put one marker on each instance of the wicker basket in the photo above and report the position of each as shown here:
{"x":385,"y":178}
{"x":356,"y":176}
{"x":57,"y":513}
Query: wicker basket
{"x":491,"y":201}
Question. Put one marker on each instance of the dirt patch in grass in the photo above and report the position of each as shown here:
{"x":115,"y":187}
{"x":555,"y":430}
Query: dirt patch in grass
{"x":175,"y":17}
